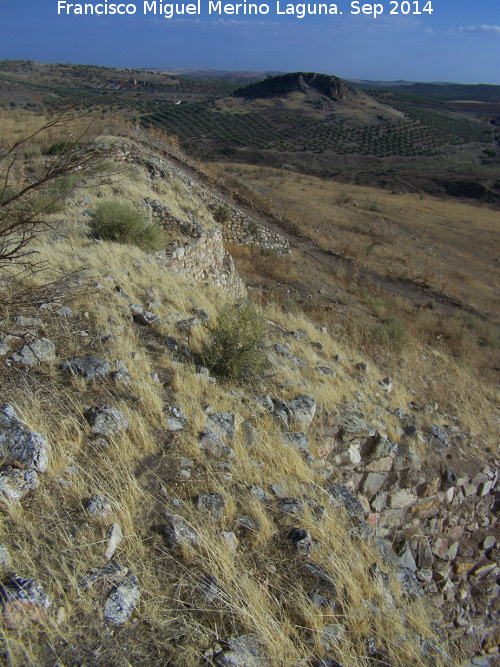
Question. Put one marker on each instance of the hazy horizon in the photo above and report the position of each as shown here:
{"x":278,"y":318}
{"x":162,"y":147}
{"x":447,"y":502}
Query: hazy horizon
{"x":458,"y":42}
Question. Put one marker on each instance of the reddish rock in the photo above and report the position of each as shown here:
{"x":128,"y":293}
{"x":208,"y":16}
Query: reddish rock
{"x":440,"y":548}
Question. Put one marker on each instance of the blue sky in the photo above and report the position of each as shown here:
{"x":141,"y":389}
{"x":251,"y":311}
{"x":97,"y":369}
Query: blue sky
{"x":459,"y":41}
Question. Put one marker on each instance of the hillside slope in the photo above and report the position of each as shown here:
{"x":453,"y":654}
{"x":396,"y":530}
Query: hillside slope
{"x":153,"y":514}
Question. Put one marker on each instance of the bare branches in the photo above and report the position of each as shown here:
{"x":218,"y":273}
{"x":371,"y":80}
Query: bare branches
{"x":25,"y":202}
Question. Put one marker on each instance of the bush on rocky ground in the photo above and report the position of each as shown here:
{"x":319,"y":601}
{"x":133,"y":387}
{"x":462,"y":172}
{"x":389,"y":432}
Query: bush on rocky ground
{"x":113,"y":220}
{"x":222,"y":213}
{"x":234,"y":347}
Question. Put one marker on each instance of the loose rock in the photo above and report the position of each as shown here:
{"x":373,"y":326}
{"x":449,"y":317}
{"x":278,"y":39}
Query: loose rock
{"x":114,"y":537}
{"x":179,"y":533}
{"x":248,"y":524}
{"x":298,"y":441}
{"x":302,"y":410}
{"x":301,"y":539}
{"x":23,"y":600}
{"x":176,"y":420}
{"x":64,"y":311}
{"x":122,"y":600}
{"x":20,"y":444}
{"x":185,"y":326}
{"x":87,"y":367}
{"x":293,"y":506}
{"x":15,"y":484}
{"x":121,"y":374}
{"x":99,"y":507}
{"x":324,"y":577}
{"x":33,"y":353}
{"x":211,"y":503}
{"x":340,"y":494}
{"x":211,"y":443}
{"x":245,"y":651}
{"x":223,"y":423}
{"x":29,"y":322}
{"x":107,"y":421}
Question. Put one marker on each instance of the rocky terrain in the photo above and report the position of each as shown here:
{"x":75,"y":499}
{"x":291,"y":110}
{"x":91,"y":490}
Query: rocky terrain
{"x":297,"y":82}
{"x":151,"y":513}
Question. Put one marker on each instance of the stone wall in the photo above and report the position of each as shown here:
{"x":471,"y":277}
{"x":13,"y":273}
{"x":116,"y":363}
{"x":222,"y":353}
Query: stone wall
{"x":198,"y":252}
{"x":205,"y":259}
{"x":241,"y":228}
{"x":244,"y":230}
{"x":202,"y":256}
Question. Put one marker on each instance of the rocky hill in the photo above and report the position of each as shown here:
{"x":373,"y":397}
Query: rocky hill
{"x":151,"y":513}
{"x":297,"y":82}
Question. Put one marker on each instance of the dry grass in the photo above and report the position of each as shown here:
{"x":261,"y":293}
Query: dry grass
{"x":447,"y":245}
{"x":262,"y":587}
{"x":428,"y":348}
{"x":19,"y":123}
{"x":267,"y":264}
{"x":169,"y":139}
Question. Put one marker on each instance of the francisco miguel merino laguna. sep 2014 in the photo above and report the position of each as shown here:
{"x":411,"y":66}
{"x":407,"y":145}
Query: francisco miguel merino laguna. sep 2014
{"x":169,"y":10}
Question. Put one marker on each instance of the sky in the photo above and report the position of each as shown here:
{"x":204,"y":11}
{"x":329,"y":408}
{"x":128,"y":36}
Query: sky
{"x":459,"y":41}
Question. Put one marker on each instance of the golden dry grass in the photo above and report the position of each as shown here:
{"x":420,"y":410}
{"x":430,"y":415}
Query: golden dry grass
{"x":261,"y":587}
{"x":261,"y":591}
{"x":448,"y":245}
{"x":430,"y":349}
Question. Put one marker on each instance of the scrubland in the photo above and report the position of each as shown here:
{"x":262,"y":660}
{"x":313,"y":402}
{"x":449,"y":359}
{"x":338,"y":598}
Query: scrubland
{"x":261,"y":585}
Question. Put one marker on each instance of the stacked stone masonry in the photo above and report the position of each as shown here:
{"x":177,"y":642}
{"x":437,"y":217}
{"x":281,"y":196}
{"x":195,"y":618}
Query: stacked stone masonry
{"x":205,"y":260}
{"x":241,"y":228}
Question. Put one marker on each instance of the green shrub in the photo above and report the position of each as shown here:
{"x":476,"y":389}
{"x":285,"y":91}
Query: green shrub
{"x":392,"y":332}
{"x":115,"y":221}
{"x":31,"y":153}
{"x":222,"y":213}
{"x":377,"y":304}
{"x":59,"y":148}
{"x":290,"y":305}
{"x":234,"y":347}
{"x":268,"y":252}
